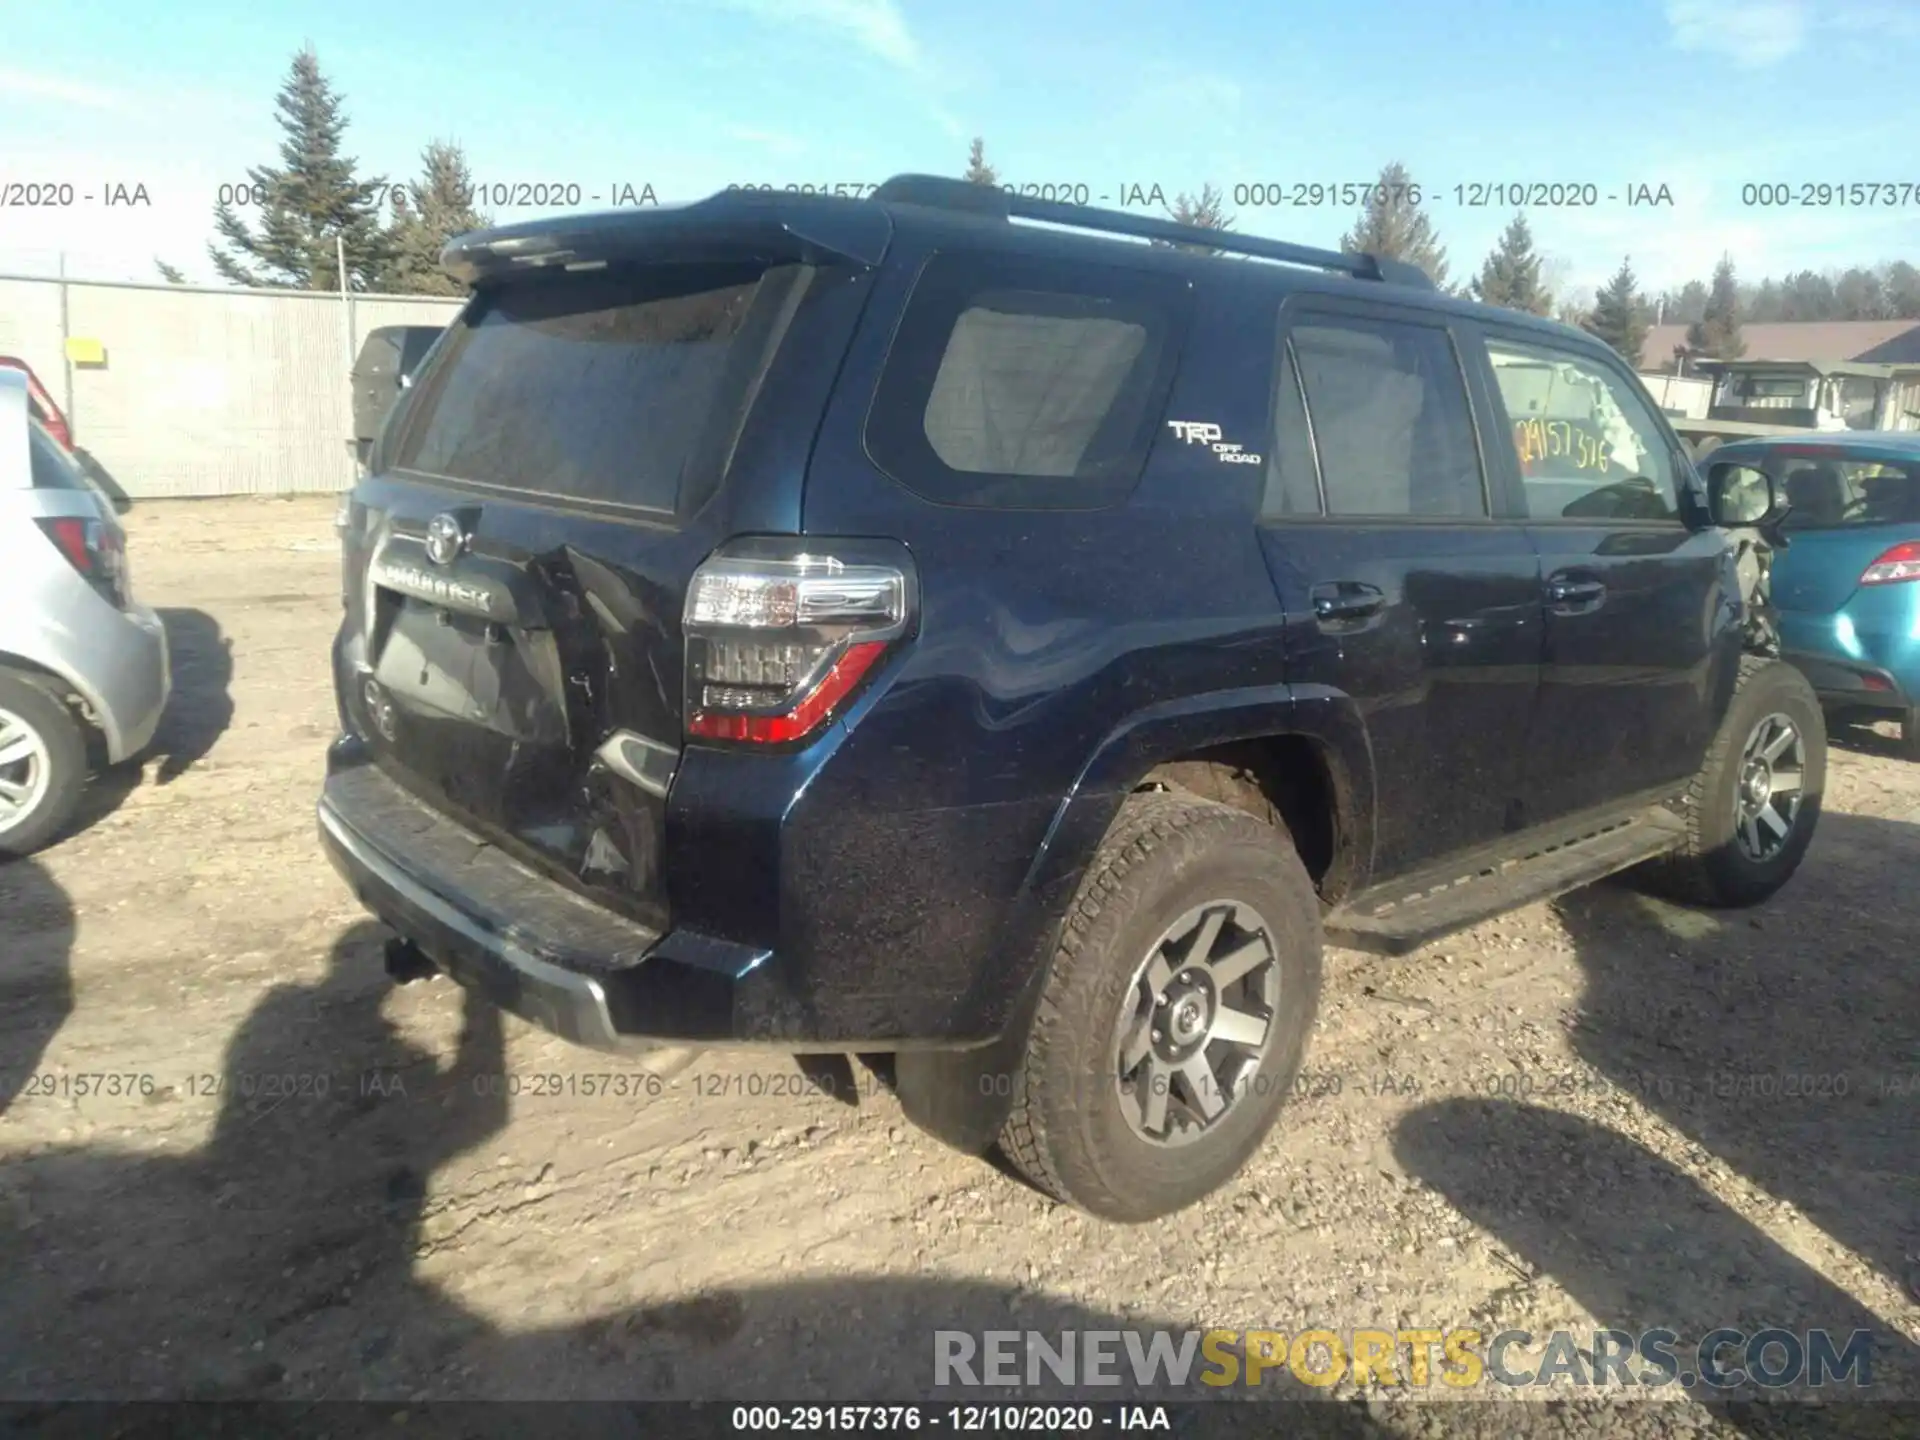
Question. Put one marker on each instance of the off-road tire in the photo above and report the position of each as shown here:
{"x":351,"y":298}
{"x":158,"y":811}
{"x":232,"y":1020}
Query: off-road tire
{"x":66,"y":750}
{"x":1166,"y":853}
{"x":1711,"y":868}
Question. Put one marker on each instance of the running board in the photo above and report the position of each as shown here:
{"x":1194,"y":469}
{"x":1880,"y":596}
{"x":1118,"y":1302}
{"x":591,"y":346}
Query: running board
{"x":1391,"y":920}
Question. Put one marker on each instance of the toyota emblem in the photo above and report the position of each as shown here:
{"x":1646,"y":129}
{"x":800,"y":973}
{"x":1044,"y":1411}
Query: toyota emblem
{"x":445,"y":539}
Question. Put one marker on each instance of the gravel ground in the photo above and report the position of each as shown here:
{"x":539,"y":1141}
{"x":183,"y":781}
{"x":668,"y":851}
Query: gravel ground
{"x":307,"y":1184}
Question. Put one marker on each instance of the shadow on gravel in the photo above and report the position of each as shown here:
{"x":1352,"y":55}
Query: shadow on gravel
{"x":1881,"y":740}
{"x":36,"y":977}
{"x":283,"y":1260}
{"x":201,"y":707}
{"x":1796,"y":1065}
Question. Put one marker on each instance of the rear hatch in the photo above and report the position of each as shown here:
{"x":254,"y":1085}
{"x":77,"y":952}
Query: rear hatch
{"x":516,"y":562}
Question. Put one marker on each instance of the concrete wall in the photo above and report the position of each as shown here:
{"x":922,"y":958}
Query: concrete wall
{"x":204,"y":391}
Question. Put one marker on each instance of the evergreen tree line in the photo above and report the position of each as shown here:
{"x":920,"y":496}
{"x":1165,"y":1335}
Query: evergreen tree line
{"x":314,"y":206}
{"x":1516,"y":275}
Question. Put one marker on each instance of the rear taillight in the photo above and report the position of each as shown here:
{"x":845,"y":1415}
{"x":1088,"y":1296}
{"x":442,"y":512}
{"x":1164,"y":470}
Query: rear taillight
{"x":1900,"y":563}
{"x":95,"y":550}
{"x":777,"y":643}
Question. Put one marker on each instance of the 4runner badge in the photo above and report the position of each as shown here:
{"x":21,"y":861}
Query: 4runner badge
{"x":1199,"y":432}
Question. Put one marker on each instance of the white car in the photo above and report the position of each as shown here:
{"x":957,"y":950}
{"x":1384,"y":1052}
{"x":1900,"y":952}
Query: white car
{"x":83,"y":666}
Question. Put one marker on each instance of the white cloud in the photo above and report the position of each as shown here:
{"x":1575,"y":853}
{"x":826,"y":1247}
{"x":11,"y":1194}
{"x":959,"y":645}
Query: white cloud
{"x":1891,"y":20}
{"x":27,"y":84}
{"x":1751,"y":33}
{"x":1757,"y":33}
{"x":876,"y":26}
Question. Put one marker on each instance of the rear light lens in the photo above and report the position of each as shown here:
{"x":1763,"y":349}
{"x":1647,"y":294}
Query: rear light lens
{"x":95,"y":550}
{"x":1900,"y":563}
{"x":775,"y":643}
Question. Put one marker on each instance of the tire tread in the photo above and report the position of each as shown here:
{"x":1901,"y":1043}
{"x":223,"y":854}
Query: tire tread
{"x":1149,"y":822}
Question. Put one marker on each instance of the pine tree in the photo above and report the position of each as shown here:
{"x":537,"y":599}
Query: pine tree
{"x":1858,"y":294}
{"x":978,"y":170}
{"x":1620,"y":314}
{"x":1205,"y":211}
{"x":1511,"y":274}
{"x":311,"y":201}
{"x":1717,"y":333}
{"x":427,"y":214}
{"x":1902,"y":282}
{"x":1685,"y":305}
{"x":1392,"y":225}
{"x":169,"y":273}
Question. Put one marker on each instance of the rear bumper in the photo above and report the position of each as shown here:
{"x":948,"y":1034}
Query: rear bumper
{"x":571,"y":1005}
{"x":138,"y":692}
{"x":1863,"y":656}
{"x":118,"y":662}
{"x":538,"y":950}
{"x":1853,"y":684}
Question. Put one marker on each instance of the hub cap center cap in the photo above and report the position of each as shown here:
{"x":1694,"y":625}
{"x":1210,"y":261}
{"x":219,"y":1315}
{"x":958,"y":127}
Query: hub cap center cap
{"x":1189,"y":1019}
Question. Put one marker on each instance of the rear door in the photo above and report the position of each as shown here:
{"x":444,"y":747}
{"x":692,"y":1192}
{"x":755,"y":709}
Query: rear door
{"x":1641,"y":643}
{"x":1420,"y":599}
{"x":517,"y":563}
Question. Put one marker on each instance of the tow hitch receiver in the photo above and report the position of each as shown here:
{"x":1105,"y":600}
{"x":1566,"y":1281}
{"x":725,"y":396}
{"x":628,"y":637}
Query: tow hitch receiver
{"x":406,"y":962}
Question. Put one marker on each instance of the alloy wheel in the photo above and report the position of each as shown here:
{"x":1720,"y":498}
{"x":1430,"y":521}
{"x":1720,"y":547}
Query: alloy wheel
{"x":1205,"y":1002}
{"x":25,"y":770}
{"x":1767,"y":792}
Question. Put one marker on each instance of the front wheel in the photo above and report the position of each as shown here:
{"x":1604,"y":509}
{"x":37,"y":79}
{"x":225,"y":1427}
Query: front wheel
{"x":1751,"y":810}
{"x":1175,"y":1015}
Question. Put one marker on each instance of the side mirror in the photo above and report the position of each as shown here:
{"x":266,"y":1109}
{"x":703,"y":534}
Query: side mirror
{"x":1740,"y":496}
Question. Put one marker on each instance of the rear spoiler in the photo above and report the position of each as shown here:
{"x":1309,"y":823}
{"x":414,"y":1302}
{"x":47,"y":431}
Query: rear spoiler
{"x":746,"y":225}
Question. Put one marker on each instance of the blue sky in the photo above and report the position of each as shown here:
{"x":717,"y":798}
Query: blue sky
{"x":689,"y":95}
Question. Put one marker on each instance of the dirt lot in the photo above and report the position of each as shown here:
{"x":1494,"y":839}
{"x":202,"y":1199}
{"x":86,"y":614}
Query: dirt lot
{"x":1607,"y":1111}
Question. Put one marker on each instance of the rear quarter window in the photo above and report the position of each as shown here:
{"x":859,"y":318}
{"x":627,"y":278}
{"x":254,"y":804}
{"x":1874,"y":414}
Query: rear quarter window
{"x":1835,"y":492}
{"x":52,"y":469}
{"x":618,"y":387}
{"x":1025,"y":384}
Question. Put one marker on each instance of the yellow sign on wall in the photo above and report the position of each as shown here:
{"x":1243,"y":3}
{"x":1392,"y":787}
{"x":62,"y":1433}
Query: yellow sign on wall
{"x":83,"y":351}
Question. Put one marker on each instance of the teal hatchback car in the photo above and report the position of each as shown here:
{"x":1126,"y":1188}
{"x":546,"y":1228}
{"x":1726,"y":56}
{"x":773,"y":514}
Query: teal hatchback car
{"x":1848,"y":586}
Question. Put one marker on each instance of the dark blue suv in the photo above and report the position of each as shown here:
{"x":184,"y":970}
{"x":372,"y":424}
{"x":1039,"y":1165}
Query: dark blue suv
{"x":1010,"y":636}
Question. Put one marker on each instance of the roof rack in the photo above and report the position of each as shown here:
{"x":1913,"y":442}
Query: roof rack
{"x":941,"y":192}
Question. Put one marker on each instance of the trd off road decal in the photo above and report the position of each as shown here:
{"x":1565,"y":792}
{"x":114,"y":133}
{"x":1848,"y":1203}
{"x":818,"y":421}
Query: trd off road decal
{"x":1198,"y":432}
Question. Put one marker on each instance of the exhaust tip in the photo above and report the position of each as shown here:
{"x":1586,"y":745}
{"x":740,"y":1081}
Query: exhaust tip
{"x":407,"y":962}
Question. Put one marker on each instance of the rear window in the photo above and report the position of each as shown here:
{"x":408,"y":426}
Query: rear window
{"x":1832,"y":493}
{"x":1026,"y":384}
{"x":52,"y":469}
{"x":620,"y":387}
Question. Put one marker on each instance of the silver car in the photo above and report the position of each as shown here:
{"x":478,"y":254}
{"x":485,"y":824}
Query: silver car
{"x":83,"y":666}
